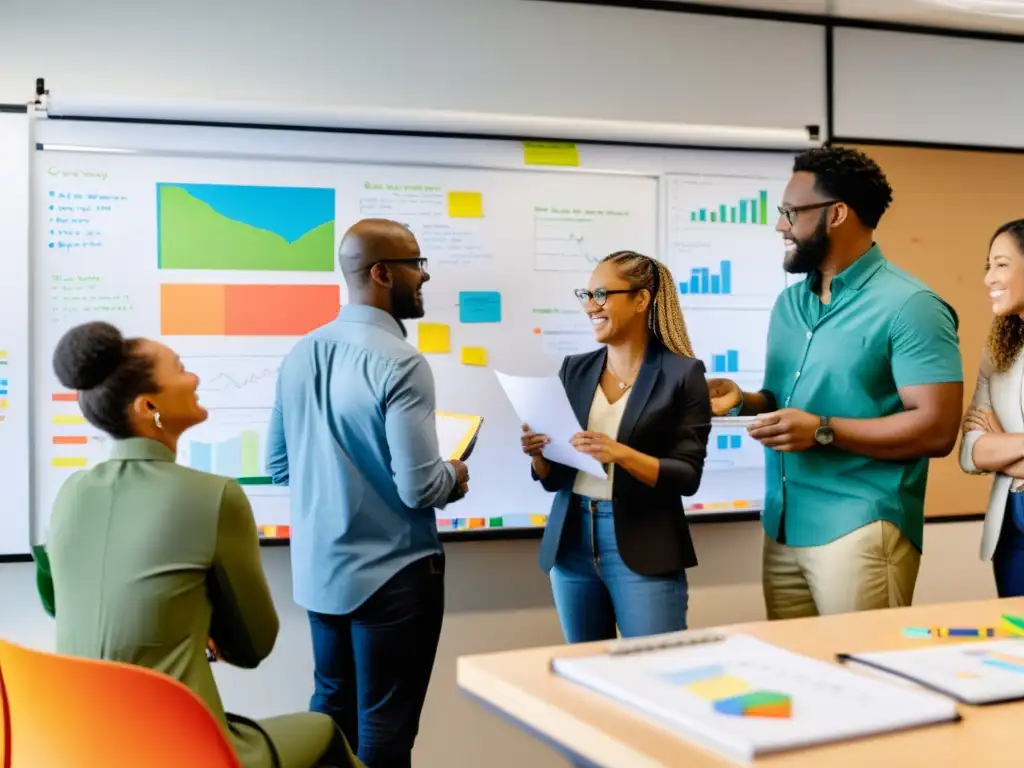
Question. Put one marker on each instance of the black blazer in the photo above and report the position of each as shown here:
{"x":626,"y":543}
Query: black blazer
{"x":668,"y":416}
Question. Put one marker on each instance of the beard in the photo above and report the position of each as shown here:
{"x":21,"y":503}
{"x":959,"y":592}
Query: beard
{"x":809,"y":253}
{"x":407,"y":305}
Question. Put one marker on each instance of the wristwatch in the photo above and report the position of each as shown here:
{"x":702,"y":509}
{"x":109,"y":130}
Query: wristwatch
{"x":824,"y":435}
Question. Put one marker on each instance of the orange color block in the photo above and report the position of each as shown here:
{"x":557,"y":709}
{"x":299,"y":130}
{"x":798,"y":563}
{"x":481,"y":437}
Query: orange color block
{"x":279,"y":310}
{"x":69,"y":440}
{"x":193,"y":310}
{"x":246,"y":310}
{"x":65,"y":397}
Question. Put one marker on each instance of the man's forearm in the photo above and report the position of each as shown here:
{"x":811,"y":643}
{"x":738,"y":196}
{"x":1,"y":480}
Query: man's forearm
{"x":909,"y":435}
{"x":997,"y":452}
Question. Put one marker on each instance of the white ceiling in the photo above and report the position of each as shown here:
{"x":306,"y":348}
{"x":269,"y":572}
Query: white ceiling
{"x":928,"y":12}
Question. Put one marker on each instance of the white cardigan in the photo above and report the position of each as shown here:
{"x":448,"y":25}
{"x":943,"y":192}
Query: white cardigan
{"x":1000,"y":393}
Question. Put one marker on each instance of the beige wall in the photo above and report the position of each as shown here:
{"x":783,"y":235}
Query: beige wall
{"x":498,"y":599}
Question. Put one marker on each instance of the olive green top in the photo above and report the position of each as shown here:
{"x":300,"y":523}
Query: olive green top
{"x":149,"y":559}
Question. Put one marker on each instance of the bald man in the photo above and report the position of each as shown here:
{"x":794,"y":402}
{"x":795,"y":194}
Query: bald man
{"x":353,"y":435}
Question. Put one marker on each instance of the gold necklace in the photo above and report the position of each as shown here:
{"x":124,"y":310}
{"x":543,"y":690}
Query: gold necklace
{"x":622,"y":384}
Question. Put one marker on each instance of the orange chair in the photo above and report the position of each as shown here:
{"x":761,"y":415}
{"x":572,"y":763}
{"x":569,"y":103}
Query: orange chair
{"x":79,"y":713}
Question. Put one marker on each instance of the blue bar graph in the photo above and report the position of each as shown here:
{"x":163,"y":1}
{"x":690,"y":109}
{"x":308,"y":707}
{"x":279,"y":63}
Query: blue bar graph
{"x":729,"y":442}
{"x":201,"y":457}
{"x":727,"y":363}
{"x":229,"y":458}
{"x":703,"y":282}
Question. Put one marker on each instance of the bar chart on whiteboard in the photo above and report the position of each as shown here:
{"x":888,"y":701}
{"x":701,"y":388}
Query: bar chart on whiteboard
{"x":726,"y":256}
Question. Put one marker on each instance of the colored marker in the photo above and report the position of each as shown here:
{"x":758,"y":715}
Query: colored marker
{"x":1016,"y":623}
{"x":954,"y":632}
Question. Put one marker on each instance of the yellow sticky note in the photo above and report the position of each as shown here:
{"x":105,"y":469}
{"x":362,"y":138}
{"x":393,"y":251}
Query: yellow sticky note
{"x":69,"y":462}
{"x":550,"y":153}
{"x":721,"y":687}
{"x":474,"y":356}
{"x":3,"y":353}
{"x":3,"y":403}
{"x":434,"y":339}
{"x":538,"y":519}
{"x":69,"y":420}
{"x":465,"y":205}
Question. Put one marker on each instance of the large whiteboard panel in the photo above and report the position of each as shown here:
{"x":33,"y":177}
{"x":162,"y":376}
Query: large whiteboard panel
{"x":157,"y":246}
{"x":907,"y":87}
{"x":15,"y":152}
{"x":504,"y":56}
{"x":503,"y":237}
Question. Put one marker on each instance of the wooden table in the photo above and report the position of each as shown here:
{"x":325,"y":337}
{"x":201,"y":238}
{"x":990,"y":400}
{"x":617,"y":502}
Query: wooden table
{"x":520,"y":686}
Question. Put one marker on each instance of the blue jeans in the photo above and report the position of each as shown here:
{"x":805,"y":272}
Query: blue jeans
{"x":371,"y":667}
{"x":1008,"y":560}
{"x":594,"y":589}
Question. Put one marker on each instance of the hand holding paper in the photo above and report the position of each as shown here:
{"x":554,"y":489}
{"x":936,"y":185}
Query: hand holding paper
{"x":543,"y":404}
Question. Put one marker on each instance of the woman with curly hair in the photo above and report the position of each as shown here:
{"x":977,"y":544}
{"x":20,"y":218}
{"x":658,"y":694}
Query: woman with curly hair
{"x":993,"y":427}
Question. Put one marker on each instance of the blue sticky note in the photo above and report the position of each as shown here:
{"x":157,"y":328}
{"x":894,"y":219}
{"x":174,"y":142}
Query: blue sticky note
{"x":479,"y":307}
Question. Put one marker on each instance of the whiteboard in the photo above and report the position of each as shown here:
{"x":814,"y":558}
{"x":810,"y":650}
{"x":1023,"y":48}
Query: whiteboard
{"x":148,"y":235}
{"x":15,"y":153}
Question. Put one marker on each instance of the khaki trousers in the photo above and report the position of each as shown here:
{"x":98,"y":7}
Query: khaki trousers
{"x":872,"y":567}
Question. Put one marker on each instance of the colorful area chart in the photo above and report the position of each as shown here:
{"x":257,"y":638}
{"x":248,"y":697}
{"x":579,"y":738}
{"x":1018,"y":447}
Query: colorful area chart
{"x":731,"y":694}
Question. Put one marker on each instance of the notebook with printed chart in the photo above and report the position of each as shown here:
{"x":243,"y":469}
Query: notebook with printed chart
{"x":456,"y":434}
{"x":985,"y":672}
{"x":743,"y":697}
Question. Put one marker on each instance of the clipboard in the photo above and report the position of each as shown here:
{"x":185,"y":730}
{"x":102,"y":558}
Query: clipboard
{"x":973,"y":673}
{"x":457,"y":434}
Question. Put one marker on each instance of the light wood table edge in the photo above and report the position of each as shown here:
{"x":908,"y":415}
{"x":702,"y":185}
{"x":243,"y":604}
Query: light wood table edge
{"x":579,"y":732}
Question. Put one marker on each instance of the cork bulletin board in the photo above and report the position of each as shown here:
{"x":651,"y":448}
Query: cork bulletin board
{"x":946,"y":205}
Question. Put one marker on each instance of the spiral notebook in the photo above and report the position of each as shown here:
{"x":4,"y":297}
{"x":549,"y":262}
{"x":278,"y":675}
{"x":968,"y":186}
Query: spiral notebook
{"x":986,"y":672}
{"x":743,"y":697}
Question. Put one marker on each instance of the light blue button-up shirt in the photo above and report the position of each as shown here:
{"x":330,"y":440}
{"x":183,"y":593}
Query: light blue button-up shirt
{"x":353,"y":435}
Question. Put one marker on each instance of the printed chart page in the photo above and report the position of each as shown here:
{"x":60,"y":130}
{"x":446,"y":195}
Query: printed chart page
{"x":744,"y":697}
{"x":973,"y":672}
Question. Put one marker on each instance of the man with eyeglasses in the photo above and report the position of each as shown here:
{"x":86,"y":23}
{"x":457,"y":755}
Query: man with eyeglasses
{"x":353,"y":435}
{"x":863,"y":385}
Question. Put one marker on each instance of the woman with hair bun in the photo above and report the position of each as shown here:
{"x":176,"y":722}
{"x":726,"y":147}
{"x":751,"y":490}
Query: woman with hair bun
{"x":148,"y":561}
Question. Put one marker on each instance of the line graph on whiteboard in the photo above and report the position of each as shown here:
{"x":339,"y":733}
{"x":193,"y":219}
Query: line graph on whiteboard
{"x":235,"y":381}
{"x":569,"y":239}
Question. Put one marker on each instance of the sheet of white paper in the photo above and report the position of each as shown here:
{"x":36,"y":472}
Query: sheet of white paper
{"x":543,"y":404}
{"x":733,"y":421}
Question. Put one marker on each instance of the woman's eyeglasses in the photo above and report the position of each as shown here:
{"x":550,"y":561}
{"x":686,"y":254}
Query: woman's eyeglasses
{"x":600,"y":296}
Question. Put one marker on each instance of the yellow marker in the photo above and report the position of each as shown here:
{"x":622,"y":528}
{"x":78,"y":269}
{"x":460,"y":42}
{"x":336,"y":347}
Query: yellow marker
{"x":69,"y":462}
{"x":4,"y":404}
{"x":465,"y":205}
{"x":550,"y":153}
{"x":434,"y":338}
{"x":68,"y":419}
{"x":474,"y":356}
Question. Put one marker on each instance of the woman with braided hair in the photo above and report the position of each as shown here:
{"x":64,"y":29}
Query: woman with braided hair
{"x":617,"y":548}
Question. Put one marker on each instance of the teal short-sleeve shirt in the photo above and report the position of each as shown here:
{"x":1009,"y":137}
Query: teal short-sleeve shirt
{"x":882,"y":330}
